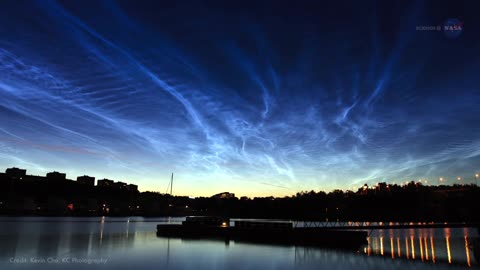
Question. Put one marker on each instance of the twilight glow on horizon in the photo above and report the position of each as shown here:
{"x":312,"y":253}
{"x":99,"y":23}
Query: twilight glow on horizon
{"x":259,"y":100}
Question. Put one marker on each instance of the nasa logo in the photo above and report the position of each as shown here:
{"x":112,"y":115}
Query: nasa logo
{"x":453,"y":28}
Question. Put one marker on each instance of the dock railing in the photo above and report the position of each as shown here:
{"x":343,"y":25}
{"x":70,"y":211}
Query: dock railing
{"x":382,"y":225}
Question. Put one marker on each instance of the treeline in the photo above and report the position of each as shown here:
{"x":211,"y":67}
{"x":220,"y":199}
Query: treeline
{"x":409,"y":203}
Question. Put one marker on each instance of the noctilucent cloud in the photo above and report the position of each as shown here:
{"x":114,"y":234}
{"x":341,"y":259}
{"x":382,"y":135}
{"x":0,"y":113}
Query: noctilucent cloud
{"x":263,"y":99}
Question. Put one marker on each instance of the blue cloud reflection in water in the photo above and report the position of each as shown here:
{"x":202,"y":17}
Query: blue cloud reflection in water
{"x":127,"y":244}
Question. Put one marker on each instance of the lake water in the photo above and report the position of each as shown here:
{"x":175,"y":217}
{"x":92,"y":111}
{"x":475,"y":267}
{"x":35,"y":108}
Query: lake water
{"x":128,"y":243}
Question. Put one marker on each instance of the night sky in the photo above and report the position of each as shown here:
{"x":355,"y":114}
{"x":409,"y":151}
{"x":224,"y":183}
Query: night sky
{"x":264,"y":98}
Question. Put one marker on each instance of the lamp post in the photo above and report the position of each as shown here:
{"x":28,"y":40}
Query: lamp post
{"x":460,"y":179}
{"x":476,"y":179}
{"x":440,"y":180}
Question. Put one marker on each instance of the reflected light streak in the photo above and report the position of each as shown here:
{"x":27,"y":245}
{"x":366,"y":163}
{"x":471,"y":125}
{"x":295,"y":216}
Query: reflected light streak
{"x":412,"y":239}
{"x":128,"y":225}
{"x":467,"y":250}
{"x":447,"y":240}
{"x":381,"y":246}
{"x":399,"y":247}
{"x":427,"y":256}
{"x":407,"y":248}
{"x":90,"y":244}
{"x":449,"y":252}
{"x":102,"y":225}
{"x":432,"y":244}
{"x":420,"y":242}
{"x":392,"y":248}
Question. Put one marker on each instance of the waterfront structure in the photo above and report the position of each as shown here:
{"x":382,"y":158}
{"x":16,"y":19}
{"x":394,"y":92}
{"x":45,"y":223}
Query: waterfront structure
{"x":263,"y":232}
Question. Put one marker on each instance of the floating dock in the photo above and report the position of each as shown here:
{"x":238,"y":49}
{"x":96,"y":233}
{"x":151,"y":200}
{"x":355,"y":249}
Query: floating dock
{"x":262,"y":232}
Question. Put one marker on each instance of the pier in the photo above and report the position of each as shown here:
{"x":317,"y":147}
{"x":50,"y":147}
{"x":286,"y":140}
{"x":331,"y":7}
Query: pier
{"x":273,"y":232}
{"x":383,"y":225}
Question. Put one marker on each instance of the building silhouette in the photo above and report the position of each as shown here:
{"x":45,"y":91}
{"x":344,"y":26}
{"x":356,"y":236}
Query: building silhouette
{"x":54,"y":194}
{"x":56,"y":176}
{"x":105,"y":182}
{"x":120,"y":185}
{"x":34,"y":178}
{"x":15,"y":173}
{"x":132,"y":187}
{"x":87,"y":180}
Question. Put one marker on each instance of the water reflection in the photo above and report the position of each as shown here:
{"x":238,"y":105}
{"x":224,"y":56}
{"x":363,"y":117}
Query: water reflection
{"x":30,"y":242}
{"x":456,"y":245}
{"x":128,"y":243}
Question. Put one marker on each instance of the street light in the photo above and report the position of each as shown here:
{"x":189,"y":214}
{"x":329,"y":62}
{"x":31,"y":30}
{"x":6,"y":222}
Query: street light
{"x":460,"y":179}
{"x":476,"y":179}
{"x":440,"y":180}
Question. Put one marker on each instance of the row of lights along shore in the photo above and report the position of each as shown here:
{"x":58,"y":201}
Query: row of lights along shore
{"x":441,"y":181}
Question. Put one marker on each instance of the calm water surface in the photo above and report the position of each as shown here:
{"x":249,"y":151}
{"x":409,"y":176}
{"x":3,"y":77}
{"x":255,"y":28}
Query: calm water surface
{"x":127,"y":243}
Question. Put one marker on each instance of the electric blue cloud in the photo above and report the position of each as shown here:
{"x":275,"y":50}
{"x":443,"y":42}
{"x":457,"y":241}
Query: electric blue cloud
{"x":234,"y":100}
